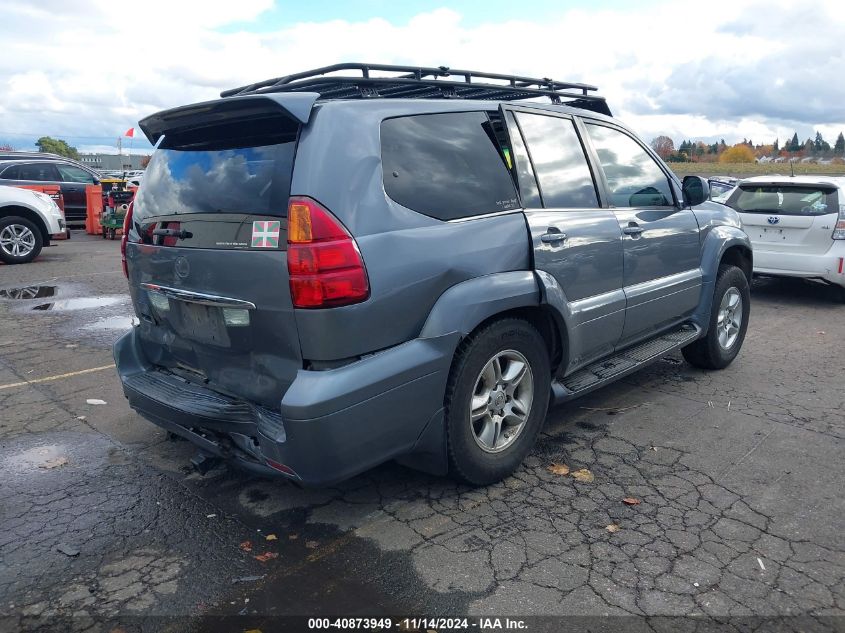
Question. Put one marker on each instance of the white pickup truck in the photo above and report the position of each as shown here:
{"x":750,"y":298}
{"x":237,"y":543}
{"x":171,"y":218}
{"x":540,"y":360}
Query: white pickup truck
{"x":28,"y":220}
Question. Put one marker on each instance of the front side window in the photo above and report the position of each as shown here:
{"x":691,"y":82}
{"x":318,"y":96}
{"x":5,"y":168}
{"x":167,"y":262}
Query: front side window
{"x":71,"y":173}
{"x":633,"y":177}
{"x":562,"y":171}
{"x":446,"y":166}
{"x":784,"y":200}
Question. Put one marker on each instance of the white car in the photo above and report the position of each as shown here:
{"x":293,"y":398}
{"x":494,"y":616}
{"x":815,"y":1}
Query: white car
{"x":796,"y":225}
{"x":28,"y":220}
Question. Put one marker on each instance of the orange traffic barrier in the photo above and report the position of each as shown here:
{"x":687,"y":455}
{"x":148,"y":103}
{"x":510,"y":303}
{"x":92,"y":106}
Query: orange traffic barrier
{"x":55,"y":192}
{"x":94,"y":206}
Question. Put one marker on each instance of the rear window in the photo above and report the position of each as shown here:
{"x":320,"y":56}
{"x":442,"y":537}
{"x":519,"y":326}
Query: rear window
{"x":784,"y":200}
{"x":218,"y":171}
{"x":446,"y":166}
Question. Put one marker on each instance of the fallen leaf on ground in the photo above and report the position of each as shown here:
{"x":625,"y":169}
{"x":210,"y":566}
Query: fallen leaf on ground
{"x":80,"y":417}
{"x":68,"y":550}
{"x":583,"y":475}
{"x":312,"y":544}
{"x":71,"y":345}
{"x":270,"y":537}
{"x":95,"y":401}
{"x":246,"y":546}
{"x":293,"y":537}
{"x":266,"y":556}
{"x":613,"y":528}
{"x":210,"y":516}
{"x":54,"y":463}
{"x":559,"y":469}
{"x":631,"y":501}
{"x":819,"y":332}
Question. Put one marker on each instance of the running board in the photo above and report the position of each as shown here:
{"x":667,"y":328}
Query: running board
{"x":622,"y":363}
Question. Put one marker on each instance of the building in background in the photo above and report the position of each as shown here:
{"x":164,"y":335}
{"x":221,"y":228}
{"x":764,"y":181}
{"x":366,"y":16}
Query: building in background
{"x":112,"y":161}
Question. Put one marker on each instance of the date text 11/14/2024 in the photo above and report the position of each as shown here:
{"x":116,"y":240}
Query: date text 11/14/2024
{"x":417,"y":624}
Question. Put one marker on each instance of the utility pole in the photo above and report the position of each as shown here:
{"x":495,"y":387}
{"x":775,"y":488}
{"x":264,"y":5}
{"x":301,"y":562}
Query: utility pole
{"x":120,"y":148}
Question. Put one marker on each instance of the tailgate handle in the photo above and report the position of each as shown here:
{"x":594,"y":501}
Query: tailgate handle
{"x":199,"y":297}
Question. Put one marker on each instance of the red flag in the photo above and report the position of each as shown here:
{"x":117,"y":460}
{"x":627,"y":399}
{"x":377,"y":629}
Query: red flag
{"x":130,"y":132}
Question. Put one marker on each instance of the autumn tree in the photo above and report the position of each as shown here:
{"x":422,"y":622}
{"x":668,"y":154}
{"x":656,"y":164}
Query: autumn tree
{"x":50,"y":145}
{"x":664,"y":146}
{"x":145,"y":160}
{"x":739,"y":153}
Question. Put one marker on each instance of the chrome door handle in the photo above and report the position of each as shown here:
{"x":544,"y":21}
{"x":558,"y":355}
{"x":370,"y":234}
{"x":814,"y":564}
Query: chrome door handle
{"x":633,"y":229}
{"x":553,"y":237}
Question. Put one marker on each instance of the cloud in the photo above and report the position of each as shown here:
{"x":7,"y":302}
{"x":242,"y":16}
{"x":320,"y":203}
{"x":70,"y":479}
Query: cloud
{"x":737,"y":69}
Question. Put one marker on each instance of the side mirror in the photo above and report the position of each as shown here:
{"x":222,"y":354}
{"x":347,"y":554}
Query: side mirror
{"x":696,"y":190}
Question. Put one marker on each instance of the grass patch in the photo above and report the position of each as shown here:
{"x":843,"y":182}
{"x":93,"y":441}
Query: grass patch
{"x":742,"y":170}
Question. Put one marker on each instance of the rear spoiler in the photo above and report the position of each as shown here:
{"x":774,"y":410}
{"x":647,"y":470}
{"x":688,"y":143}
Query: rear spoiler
{"x":295,"y":105}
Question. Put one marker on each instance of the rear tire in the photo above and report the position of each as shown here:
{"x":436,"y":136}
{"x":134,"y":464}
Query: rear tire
{"x":20,"y":240}
{"x":496,"y":400}
{"x":731,"y":299}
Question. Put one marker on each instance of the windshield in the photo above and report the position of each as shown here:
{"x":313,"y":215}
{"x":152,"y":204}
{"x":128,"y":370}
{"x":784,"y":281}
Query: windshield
{"x":784,"y":200}
{"x":249,"y":180}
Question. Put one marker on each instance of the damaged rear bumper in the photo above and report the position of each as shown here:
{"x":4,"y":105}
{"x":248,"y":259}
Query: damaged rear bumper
{"x":330,"y":424}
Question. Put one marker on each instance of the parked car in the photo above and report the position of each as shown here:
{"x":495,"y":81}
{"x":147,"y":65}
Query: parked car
{"x":28,"y":220}
{"x":796,"y":224}
{"x":72,"y":178}
{"x":721,"y":187}
{"x":325,"y":283}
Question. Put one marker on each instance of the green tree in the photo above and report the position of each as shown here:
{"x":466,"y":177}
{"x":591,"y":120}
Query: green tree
{"x":839,"y":146}
{"x":776,"y":147}
{"x":51,"y":145}
{"x":793,"y":145}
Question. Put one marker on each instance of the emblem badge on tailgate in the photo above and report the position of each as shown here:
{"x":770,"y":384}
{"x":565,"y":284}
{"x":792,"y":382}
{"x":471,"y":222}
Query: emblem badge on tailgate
{"x":773,"y":219}
{"x":182,"y":267}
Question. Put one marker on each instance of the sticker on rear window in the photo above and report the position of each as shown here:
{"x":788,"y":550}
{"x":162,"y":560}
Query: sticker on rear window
{"x":265,"y":234}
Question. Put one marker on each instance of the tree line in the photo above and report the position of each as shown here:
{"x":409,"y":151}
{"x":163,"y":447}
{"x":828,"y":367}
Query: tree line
{"x":747,"y":152}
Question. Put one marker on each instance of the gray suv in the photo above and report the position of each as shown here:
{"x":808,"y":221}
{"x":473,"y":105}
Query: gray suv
{"x":363,"y":263}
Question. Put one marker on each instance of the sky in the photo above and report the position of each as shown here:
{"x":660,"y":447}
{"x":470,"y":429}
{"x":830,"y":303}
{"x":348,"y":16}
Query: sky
{"x":87,"y":70}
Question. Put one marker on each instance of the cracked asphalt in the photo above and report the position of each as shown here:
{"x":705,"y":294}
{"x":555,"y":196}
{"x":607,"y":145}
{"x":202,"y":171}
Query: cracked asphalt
{"x":739,"y":475}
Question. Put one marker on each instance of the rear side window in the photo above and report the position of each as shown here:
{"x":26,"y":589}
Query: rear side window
{"x":39,"y":172}
{"x":634,"y":179}
{"x":229,"y":170}
{"x":559,"y":161}
{"x":446,"y":166}
{"x":784,"y":200}
{"x":71,"y":173}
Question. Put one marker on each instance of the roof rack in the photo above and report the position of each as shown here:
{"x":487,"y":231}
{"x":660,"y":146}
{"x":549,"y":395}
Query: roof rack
{"x":412,"y":82}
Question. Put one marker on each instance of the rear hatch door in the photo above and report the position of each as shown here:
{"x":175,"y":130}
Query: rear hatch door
{"x":207,"y":253}
{"x":790,"y":218}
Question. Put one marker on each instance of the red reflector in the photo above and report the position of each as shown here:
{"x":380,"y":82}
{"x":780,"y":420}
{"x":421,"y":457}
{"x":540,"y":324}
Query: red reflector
{"x":281,"y":468}
{"x":329,"y":289}
{"x":841,"y":261}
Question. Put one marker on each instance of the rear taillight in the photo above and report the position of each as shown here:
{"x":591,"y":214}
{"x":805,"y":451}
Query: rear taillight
{"x":839,"y":229}
{"x":325,"y":267}
{"x":127,"y":224}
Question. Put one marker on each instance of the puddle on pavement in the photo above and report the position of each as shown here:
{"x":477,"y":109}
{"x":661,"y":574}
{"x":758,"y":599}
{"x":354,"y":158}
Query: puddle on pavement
{"x":28,"y":292}
{"x":112,"y":323}
{"x":81,"y":303}
{"x":38,"y":457}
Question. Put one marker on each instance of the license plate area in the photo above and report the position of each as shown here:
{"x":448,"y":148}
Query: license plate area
{"x":772,"y":235}
{"x":203,"y":324}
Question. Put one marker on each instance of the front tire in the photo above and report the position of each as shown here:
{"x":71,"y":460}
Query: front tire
{"x":496,"y":400}
{"x":20,"y":240}
{"x":728,"y":322}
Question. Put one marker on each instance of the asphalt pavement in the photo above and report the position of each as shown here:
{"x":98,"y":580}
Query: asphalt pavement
{"x":733,"y":481}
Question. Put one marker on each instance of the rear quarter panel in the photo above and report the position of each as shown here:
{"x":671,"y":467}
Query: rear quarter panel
{"x":411,"y":259}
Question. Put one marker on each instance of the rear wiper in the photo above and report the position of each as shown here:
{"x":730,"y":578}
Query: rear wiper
{"x":182,"y":234}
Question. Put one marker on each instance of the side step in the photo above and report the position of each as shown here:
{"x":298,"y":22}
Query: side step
{"x":622,"y":363}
